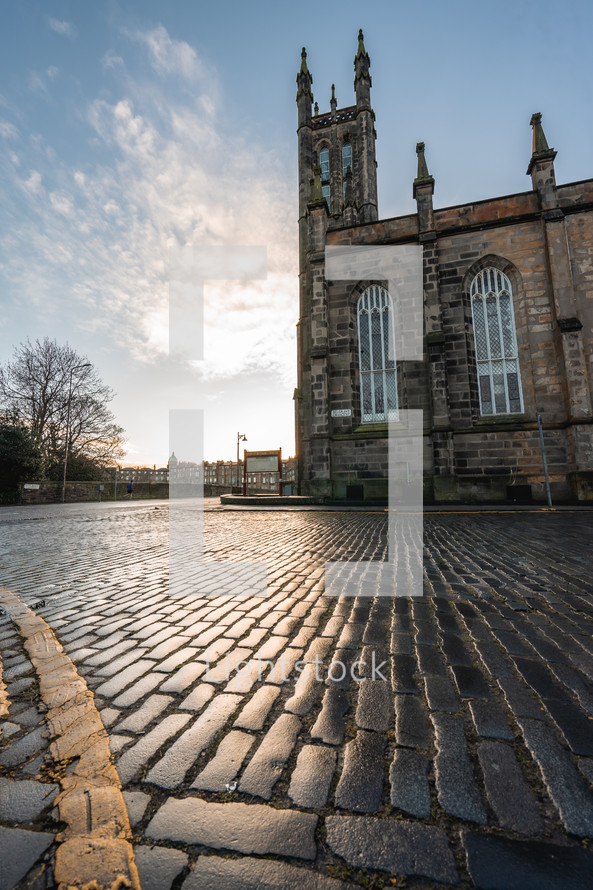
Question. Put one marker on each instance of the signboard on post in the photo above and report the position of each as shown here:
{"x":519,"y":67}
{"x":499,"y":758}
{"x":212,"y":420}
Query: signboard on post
{"x":267,"y":464}
{"x":262,"y":462}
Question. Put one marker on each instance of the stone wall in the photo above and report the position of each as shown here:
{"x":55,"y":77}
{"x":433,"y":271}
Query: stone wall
{"x":51,"y":492}
{"x":476,"y":457}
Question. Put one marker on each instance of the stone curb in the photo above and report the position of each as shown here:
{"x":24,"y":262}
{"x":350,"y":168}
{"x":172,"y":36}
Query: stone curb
{"x":4,"y":700}
{"x":94,"y":849}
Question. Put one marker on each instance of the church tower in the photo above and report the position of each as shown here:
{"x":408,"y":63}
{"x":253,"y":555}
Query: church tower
{"x":337,"y":189}
{"x":338,"y":140}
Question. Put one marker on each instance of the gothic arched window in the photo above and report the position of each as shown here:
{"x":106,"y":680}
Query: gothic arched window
{"x":346,"y":162}
{"x":497,"y":359}
{"x":376,"y":353}
{"x":324,"y":164}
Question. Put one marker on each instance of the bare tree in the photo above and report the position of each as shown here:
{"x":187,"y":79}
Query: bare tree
{"x":38,"y":386}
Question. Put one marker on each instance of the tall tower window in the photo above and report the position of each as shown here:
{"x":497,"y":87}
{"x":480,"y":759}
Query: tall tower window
{"x":346,"y":162}
{"x":324,"y":164}
{"x":376,"y":353}
{"x":497,"y":359}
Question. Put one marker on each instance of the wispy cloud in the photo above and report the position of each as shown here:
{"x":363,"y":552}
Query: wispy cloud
{"x":111,"y":60}
{"x":38,"y":81}
{"x":64,"y":28}
{"x":8,"y":130}
{"x":170,"y":56}
{"x":178,"y":175}
{"x":33,"y":183}
{"x":61,"y":203}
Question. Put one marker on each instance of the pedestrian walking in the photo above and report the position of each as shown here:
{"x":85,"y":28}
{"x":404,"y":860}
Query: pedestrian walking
{"x":131,"y":489}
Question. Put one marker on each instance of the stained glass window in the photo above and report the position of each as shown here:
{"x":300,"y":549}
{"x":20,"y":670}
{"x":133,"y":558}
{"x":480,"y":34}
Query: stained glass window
{"x":376,"y":353}
{"x":497,"y":359}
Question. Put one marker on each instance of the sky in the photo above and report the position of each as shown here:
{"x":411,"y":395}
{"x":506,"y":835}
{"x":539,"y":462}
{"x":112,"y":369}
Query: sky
{"x":132,"y":130}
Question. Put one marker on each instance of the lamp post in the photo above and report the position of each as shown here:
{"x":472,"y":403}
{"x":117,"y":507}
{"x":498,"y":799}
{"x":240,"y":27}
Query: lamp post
{"x":72,"y":370}
{"x":241,"y":437}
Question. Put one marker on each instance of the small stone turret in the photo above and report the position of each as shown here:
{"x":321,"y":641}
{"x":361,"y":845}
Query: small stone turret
{"x":362,"y":78}
{"x":304,"y":99}
{"x":541,"y":166}
{"x":304,"y":95}
{"x":366,"y":170}
{"x":423,"y":191}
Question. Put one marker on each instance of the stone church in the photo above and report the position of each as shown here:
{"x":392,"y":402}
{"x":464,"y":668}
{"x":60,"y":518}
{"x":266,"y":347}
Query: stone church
{"x":508,"y":324}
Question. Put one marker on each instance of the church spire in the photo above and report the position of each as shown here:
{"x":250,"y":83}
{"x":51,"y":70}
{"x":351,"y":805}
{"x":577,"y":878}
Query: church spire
{"x":333,"y":103}
{"x":361,"y":50}
{"x":304,"y":95}
{"x":362,"y":78}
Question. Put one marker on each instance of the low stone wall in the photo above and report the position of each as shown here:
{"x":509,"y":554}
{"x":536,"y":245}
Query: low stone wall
{"x":76,"y":492}
{"x":51,"y":492}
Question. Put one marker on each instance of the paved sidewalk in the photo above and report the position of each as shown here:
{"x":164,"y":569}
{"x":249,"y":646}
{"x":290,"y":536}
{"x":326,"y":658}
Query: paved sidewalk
{"x":466,"y":760}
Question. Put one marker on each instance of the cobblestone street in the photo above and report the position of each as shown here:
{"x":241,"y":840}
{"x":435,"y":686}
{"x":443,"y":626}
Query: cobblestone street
{"x":298,"y":740}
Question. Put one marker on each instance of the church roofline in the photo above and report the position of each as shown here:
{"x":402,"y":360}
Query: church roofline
{"x":502,"y":197}
{"x":482,"y":201}
{"x":529,"y":211}
{"x":328,"y":117}
{"x":566,"y":185}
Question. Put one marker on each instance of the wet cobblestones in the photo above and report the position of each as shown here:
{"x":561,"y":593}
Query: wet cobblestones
{"x":233,"y":727}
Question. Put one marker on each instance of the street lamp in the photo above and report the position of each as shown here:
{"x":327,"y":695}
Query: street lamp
{"x":72,"y":370}
{"x":241,"y":437}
